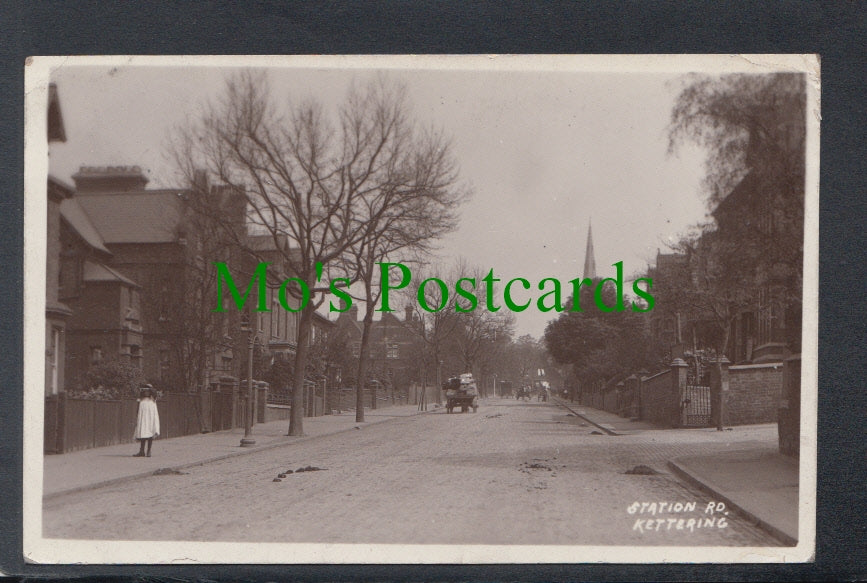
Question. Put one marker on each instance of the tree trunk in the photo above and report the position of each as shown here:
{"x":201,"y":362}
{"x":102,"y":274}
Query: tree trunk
{"x":362,"y":366}
{"x":719,"y":398}
{"x":439,"y":381}
{"x":296,"y":418}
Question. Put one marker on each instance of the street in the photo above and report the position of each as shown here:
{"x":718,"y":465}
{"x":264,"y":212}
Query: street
{"x":516,"y":472}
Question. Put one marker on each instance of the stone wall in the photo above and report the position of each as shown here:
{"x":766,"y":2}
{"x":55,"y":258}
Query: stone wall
{"x":656,"y":400}
{"x":754,"y":393}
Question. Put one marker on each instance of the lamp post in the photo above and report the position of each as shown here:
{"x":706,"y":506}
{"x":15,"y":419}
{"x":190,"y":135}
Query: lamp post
{"x":247,"y":440}
{"x":325,"y":409}
{"x":439,"y":382}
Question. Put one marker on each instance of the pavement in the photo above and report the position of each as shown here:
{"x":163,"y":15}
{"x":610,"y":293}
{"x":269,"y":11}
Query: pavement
{"x":607,"y":422}
{"x":757,"y":482}
{"x":103,"y":466}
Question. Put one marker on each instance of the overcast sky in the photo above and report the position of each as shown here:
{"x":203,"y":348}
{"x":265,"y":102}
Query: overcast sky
{"x":543,"y":151}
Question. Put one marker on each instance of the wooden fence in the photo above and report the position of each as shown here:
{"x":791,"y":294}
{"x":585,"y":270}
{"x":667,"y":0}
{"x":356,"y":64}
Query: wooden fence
{"x":76,"y":424}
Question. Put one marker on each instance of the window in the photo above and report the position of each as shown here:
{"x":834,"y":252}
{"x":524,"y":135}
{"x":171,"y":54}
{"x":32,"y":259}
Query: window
{"x":356,"y":349}
{"x":225,"y":320}
{"x":164,"y":364}
{"x":292,"y":326}
{"x":95,"y":354}
{"x":275,"y":317}
{"x":392,"y":351}
{"x":131,"y":315}
{"x":53,"y":354}
{"x":70,"y":274}
{"x":164,"y":301}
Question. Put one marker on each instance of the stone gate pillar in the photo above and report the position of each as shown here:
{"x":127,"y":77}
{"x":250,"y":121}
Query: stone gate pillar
{"x":789,"y":414}
{"x":719,"y":389}
{"x":678,"y":386}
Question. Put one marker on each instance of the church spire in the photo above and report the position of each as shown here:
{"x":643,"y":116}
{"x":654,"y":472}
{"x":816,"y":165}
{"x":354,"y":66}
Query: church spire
{"x":589,"y":259}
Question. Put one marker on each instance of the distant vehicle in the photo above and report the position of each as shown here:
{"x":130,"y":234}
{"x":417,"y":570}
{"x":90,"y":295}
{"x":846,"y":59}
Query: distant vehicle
{"x":541,"y":388}
{"x":523,"y":393}
{"x":461,"y":392}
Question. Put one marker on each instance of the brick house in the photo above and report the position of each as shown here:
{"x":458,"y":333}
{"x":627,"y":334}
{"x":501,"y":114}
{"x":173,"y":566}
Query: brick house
{"x":771,"y":329}
{"x":392,"y":347}
{"x":668,"y":320}
{"x":144,"y":231}
{"x":274,"y":333}
{"x":56,"y":312}
{"x":105,"y":305}
{"x":768,"y":329}
{"x":144,"y":256}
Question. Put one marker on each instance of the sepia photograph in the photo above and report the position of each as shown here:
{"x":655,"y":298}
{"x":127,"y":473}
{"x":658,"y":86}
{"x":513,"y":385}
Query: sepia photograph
{"x":421,"y":309}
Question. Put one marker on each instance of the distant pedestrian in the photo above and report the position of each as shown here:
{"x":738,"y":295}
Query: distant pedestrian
{"x":147,"y":426}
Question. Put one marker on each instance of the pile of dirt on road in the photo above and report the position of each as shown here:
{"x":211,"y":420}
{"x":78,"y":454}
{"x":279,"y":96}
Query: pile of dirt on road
{"x":309,"y":469}
{"x":641,"y":470}
{"x":168,"y":472}
{"x":285,"y":473}
{"x":537,"y":464}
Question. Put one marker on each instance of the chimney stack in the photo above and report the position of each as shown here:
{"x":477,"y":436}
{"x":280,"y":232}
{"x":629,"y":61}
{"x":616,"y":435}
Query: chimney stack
{"x":102,"y":179}
{"x":353,"y":312}
{"x":407,"y":313}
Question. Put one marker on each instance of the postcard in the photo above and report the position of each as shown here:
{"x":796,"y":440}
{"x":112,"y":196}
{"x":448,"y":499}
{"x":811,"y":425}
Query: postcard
{"x":427,"y":309}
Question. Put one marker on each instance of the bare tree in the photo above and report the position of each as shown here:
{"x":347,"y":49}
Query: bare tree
{"x":302,"y":176}
{"x":415,"y":204}
{"x":435,"y":329}
{"x":186,"y":318}
{"x":481,"y":333}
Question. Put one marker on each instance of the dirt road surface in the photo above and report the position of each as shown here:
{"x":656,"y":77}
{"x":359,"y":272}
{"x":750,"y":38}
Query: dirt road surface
{"x":513,"y":473}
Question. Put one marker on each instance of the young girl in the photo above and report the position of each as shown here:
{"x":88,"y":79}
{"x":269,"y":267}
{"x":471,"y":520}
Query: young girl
{"x":148,"y":424}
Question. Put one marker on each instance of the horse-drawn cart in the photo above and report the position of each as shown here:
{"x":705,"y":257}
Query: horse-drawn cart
{"x":461,"y":392}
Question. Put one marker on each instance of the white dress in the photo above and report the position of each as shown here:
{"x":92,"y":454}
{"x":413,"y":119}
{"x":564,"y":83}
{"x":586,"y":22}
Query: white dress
{"x":148,"y":423}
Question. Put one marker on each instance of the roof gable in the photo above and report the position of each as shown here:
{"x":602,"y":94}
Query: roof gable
{"x":151,"y":216}
{"x":79,"y":222}
{"x":97,"y":272}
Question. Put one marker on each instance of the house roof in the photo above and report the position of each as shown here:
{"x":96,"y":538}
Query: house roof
{"x":146,"y":216}
{"x":740,"y":194}
{"x":75,"y":216}
{"x":323,"y":320}
{"x":267,"y":243}
{"x":66,"y":189}
{"x":94,"y":271}
{"x":668,"y":260}
{"x":56,"y":129}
